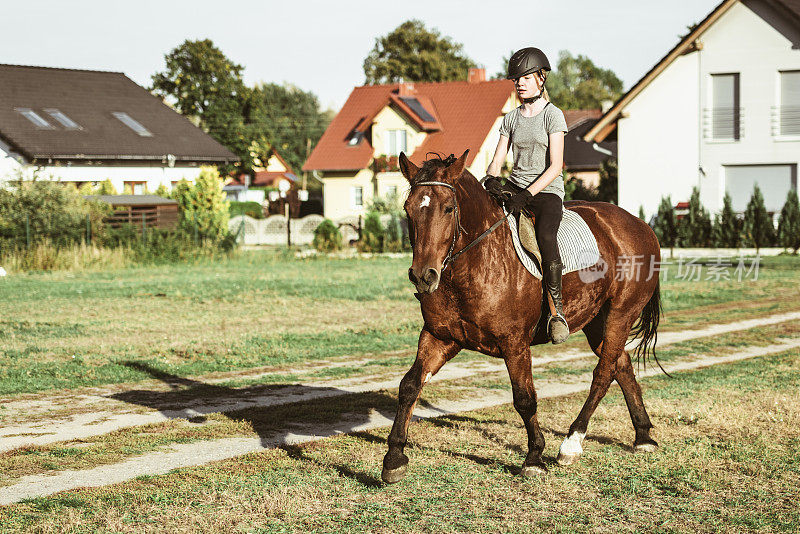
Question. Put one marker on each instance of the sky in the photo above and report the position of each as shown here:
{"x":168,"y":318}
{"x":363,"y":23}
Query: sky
{"x":320,"y":46}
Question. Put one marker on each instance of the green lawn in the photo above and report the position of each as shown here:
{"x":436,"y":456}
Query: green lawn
{"x":266,"y":308}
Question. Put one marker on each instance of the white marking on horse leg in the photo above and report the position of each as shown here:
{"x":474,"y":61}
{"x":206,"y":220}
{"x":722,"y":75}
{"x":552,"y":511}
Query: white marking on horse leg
{"x":428,"y":378}
{"x":426,"y":201}
{"x":571,"y":446}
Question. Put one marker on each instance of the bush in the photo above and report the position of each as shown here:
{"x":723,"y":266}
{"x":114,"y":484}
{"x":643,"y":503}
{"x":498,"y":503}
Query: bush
{"x":727,"y":227}
{"x":607,"y":188}
{"x":372,"y":234}
{"x":757,"y":230}
{"x":327,"y":237}
{"x":789,"y":223}
{"x":251,"y":209}
{"x":393,"y":235}
{"x":665,"y":226}
{"x":203,"y":205}
{"x":48,"y":212}
{"x":694,"y":228}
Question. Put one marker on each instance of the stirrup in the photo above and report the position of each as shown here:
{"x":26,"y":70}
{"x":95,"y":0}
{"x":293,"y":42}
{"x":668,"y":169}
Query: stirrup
{"x":563,"y":335}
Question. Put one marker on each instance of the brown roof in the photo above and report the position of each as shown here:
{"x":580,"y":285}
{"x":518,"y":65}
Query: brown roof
{"x":790,"y":8}
{"x":462,"y":112}
{"x":575,"y":117}
{"x":89,"y":98}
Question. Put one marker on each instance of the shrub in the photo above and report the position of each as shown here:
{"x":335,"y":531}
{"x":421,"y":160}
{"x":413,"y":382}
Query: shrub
{"x":251,"y":209}
{"x":694,"y":228}
{"x":727,"y":227}
{"x":789,"y":223}
{"x":757,"y":229}
{"x":393,"y":235}
{"x":665,"y":226}
{"x":327,"y":237}
{"x":106,"y":188}
{"x":642,"y":216}
{"x":372,"y":234}
{"x":46,"y":211}
{"x":607,"y":188}
{"x":203,"y":205}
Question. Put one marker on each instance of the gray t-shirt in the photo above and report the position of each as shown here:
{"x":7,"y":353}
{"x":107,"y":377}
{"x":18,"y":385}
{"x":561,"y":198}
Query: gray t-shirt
{"x":530,"y":141}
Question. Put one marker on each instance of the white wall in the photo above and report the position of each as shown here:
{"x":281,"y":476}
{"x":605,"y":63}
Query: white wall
{"x":661,"y":147}
{"x":8,"y":163}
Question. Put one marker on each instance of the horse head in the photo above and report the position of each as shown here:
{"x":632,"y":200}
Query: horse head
{"x":433,"y":216}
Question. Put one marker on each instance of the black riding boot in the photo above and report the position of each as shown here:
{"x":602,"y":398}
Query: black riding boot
{"x":556,"y":325}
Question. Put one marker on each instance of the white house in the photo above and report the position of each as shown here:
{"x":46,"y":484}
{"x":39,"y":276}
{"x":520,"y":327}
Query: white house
{"x":88,"y":126}
{"x":721,"y":111}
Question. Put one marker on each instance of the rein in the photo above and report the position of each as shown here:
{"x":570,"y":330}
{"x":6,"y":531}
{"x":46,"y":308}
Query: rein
{"x":450,"y":258}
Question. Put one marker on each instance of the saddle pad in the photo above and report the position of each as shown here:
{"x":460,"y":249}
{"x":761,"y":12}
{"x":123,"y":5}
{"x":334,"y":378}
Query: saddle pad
{"x":576,"y":244}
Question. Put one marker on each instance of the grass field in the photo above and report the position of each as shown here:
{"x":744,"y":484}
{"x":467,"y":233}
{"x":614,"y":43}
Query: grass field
{"x":730,"y":434}
{"x":66,"y":330}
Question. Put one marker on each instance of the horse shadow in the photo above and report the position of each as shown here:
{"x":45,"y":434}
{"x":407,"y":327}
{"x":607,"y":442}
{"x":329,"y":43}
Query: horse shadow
{"x":285,"y":415}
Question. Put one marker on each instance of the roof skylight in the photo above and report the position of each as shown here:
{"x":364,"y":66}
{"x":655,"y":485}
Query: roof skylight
{"x":35,"y":118}
{"x":62,"y":118}
{"x":131,"y":123}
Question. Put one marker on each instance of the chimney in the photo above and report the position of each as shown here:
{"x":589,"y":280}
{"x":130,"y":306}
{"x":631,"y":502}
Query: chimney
{"x":476,"y":75}
{"x":406,"y":89}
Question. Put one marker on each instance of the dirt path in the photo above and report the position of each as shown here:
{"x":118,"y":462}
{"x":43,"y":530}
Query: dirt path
{"x":186,"y":455}
{"x":112,"y":411}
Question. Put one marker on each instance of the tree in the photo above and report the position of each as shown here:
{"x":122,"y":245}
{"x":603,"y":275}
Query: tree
{"x":642,"y":216}
{"x":286,"y":118}
{"x":789,"y":223}
{"x":106,"y":188}
{"x":577,"y":83}
{"x":727,"y":227}
{"x":694,"y":229}
{"x":665,"y":226}
{"x":607,"y":188}
{"x":412,"y":53}
{"x":757,"y":229}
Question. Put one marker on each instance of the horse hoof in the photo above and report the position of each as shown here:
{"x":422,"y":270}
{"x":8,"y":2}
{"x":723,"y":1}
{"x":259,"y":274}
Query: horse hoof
{"x":529,"y":471}
{"x":390,"y":476}
{"x":646,"y":447}
{"x":567,"y":459}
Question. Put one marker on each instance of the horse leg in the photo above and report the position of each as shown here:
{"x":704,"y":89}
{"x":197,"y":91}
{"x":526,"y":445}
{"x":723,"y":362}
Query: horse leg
{"x":432,"y":353}
{"x":610,"y":350}
{"x":519,"y":371}
{"x":626,"y":379}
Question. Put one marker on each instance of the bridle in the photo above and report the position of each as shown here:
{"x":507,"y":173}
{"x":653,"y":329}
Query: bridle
{"x":450,"y":258}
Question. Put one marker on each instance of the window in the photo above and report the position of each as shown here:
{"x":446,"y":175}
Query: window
{"x":35,"y":118}
{"x":62,"y":119}
{"x":725,"y":114}
{"x":790,"y":103}
{"x":774,"y":181}
{"x":129,"y":121}
{"x":137,"y":188}
{"x":396,"y":142}
{"x":358,"y":196}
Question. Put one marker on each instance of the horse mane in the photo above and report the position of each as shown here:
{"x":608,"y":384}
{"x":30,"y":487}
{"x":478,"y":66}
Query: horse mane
{"x":431,"y":165}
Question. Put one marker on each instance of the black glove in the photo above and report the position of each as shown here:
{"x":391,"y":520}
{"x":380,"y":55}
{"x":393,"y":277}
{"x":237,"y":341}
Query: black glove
{"x":519,"y":201}
{"x":493,"y":185}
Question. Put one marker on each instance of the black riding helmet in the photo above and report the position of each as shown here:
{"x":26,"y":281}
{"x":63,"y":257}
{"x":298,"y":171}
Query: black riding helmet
{"x":526,"y":61}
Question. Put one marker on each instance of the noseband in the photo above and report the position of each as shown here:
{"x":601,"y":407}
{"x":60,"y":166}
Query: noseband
{"x":450,"y":258}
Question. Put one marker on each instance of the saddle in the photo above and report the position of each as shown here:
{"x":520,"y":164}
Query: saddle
{"x":527,"y":235}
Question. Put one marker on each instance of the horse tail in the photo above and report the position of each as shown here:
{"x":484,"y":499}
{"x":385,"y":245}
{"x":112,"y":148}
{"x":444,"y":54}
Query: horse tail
{"x":646,"y":328}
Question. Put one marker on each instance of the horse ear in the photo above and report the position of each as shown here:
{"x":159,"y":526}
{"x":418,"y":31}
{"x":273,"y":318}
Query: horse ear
{"x":408,"y":169}
{"x":459,"y":164}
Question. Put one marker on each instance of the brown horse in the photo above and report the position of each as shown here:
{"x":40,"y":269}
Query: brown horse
{"x":486,"y":301}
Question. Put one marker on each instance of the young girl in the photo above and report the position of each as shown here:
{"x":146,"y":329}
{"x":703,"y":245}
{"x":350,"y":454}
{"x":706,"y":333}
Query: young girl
{"x":536,"y":132}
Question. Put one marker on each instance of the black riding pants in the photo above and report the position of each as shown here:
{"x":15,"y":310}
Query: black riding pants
{"x":547,"y":208}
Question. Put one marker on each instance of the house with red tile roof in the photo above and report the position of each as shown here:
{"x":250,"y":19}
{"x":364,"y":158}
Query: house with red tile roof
{"x":356,"y":158}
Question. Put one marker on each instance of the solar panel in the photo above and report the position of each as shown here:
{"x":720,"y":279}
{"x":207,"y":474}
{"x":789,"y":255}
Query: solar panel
{"x":417,"y":108}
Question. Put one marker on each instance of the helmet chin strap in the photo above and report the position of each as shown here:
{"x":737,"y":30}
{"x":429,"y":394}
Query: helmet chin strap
{"x":531,"y":100}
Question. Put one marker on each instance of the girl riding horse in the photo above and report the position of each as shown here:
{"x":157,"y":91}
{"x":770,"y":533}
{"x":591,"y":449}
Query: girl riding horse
{"x":535,"y":130}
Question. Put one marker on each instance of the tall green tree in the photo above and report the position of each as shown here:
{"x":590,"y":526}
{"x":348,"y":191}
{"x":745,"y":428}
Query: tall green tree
{"x":757,"y":229}
{"x":789,"y":223}
{"x":694,"y":228}
{"x":665,"y":227}
{"x":577,"y":83}
{"x":727,"y":229}
{"x":413,"y":53}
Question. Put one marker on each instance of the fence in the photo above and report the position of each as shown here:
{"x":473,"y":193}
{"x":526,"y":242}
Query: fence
{"x":273,"y":231}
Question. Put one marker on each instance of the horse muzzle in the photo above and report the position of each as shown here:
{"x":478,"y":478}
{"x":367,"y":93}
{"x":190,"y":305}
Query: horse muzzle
{"x":425,"y":281}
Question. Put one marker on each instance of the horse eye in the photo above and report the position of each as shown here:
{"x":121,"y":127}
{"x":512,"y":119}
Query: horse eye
{"x":449,"y":209}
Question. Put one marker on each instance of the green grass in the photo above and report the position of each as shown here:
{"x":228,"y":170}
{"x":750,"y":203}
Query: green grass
{"x":728,"y":461}
{"x":267,"y":308}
